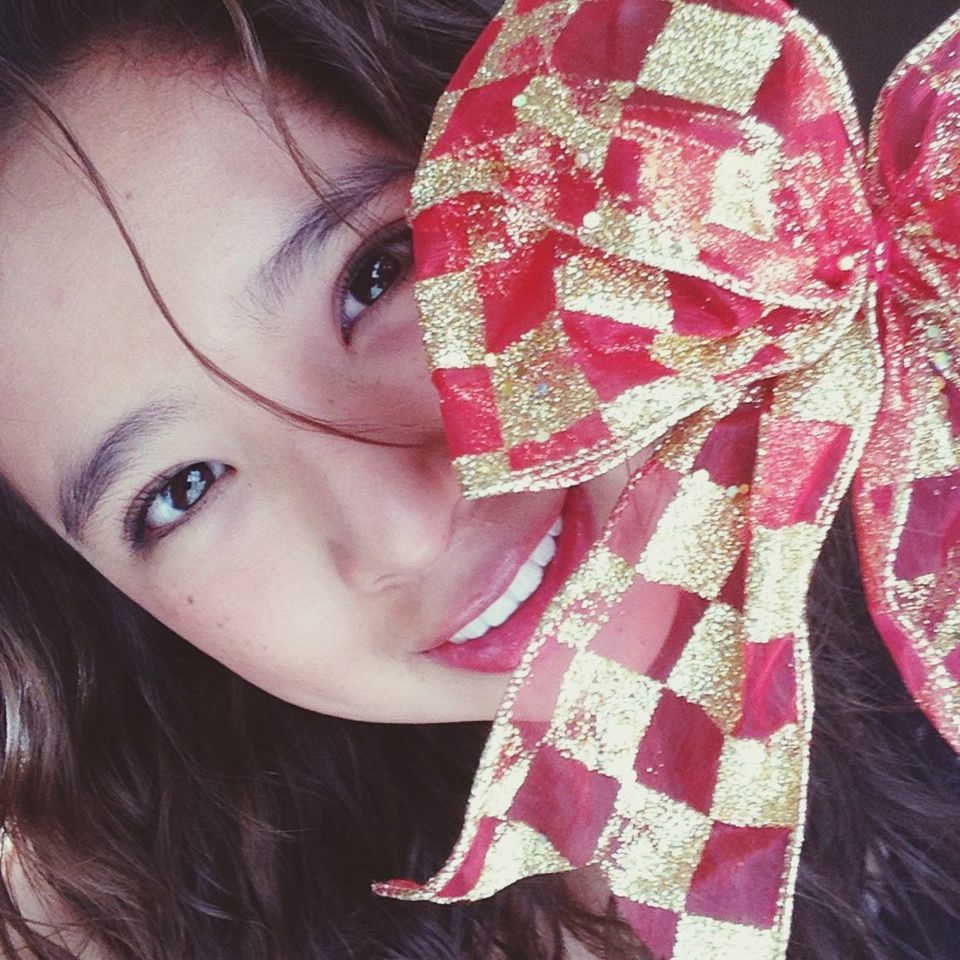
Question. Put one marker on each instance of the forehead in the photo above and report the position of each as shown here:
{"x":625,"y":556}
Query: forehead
{"x":205,"y":186}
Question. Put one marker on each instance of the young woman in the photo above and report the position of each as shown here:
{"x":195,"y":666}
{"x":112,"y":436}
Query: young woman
{"x":226,"y":602}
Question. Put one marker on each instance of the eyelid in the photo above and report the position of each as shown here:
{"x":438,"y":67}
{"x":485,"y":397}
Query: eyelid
{"x":393,"y":230}
{"x":134,"y":516}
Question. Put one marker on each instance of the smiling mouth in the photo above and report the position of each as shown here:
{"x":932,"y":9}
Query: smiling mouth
{"x":524,"y":584}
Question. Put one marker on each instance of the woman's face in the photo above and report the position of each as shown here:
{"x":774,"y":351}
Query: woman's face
{"x":331,"y":572}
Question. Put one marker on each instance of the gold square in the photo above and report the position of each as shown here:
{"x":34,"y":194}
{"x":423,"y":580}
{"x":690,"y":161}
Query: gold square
{"x":839,"y":386}
{"x":698,"y":539}
{"x":637,"y":235}
{"x":453,"y":320}
{"x":609,"y":287}
{"x":710,"y":670}
{"x":547,"y":105}
{"x":642,"y":414}
{"x":706,"y":356}
{"x":602,"y":713}
{"x":483,"y":473}
{"x":653,"y":846}
{"x":777,"y":582}
{"x":712,"y":57}
{"x":540,"y":388}
{"x":935,"y":450}
{"x":451,"y":175}
{"x":742,"y":194}
{"x":759,"y":781}
{"x":703,"y":938}
{"x":517,"y":851}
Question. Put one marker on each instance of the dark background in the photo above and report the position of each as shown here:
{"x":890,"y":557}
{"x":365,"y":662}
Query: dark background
{"x":872,"y":36}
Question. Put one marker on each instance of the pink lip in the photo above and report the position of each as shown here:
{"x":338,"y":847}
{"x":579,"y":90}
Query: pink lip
{"x":500,"y":649}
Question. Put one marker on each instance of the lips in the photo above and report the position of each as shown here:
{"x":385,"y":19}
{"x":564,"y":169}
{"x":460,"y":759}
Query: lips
{"x":525,"y":583}
{"x":500,"y":648}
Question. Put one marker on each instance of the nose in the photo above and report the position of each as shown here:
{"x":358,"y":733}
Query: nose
{"x":389,"y":512}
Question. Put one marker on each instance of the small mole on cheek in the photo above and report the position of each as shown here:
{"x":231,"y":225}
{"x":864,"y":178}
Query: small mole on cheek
{"x":190,"y":600}
{"x":128,"y":195}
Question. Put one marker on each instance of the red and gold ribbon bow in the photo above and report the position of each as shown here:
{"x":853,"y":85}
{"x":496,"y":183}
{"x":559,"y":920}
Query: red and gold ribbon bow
{"x":652,"y":224}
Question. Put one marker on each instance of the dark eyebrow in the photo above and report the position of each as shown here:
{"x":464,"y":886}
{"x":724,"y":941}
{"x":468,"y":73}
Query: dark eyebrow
{"x":84,"y":486}
{"x":340,"y":201}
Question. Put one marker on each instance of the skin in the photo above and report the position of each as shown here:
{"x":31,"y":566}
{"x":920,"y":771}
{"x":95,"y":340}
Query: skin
{"x":318,"y":567}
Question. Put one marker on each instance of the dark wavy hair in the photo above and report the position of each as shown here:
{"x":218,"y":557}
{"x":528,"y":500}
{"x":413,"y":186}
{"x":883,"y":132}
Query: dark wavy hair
{"x":173,"y":810}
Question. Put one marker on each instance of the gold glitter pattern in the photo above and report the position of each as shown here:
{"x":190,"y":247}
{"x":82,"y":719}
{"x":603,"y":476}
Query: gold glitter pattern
{"x":742,"y":188}
{"x":779,"y":573}
{"x":654,"y":847}
{"x":610,"y":288}
{"x":758,"y":784}
{"x":710,"y":670}
{"x":542,"y":356}
{"x":456,"y":340}
{"x":701,"y":522}
{"x":703,"y":938}
{"x":602,"y":713}
{"x":711,"y":56}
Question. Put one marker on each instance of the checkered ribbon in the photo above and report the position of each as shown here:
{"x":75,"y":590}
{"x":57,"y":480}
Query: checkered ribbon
{"x":644,"y":224}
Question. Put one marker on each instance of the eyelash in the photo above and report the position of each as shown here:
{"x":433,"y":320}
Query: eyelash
{"x":393,"y":241}
{"x":135,"y":526}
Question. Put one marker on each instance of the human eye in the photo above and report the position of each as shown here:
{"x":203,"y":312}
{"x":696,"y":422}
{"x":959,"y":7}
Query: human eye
{"x":372,"y":272}
{"x":166,"y":503}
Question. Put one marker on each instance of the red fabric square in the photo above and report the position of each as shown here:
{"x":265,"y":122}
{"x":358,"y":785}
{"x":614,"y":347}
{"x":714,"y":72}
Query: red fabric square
{"x":613,"y":355}
{"x":621,"y":172}
{"x":469,"y":410}
{"x":702,"y":309}
{"x":519,"y":293}
{"x":688,"y":612}
{"x":565,"y":803}
{"x":610,"y":38}
{"x":656,"y":928}
{"x":538,"y":699}
{"x":527,"y":6}
{"x":769,"y":688}
{"x":739,"y":876}
{"x":483,"y":114}
{"x":730,"y":451}
{"x":583,"y":434}
{"x":634,"y":624}
{"x":802,"y":458}
{"x":952,"y":663}
{"x":680,"y":752}
{"x":932,"y":529}
{"x":441,"y":240}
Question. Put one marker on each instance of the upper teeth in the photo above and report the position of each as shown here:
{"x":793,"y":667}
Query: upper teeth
{"x":526,"y":581}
